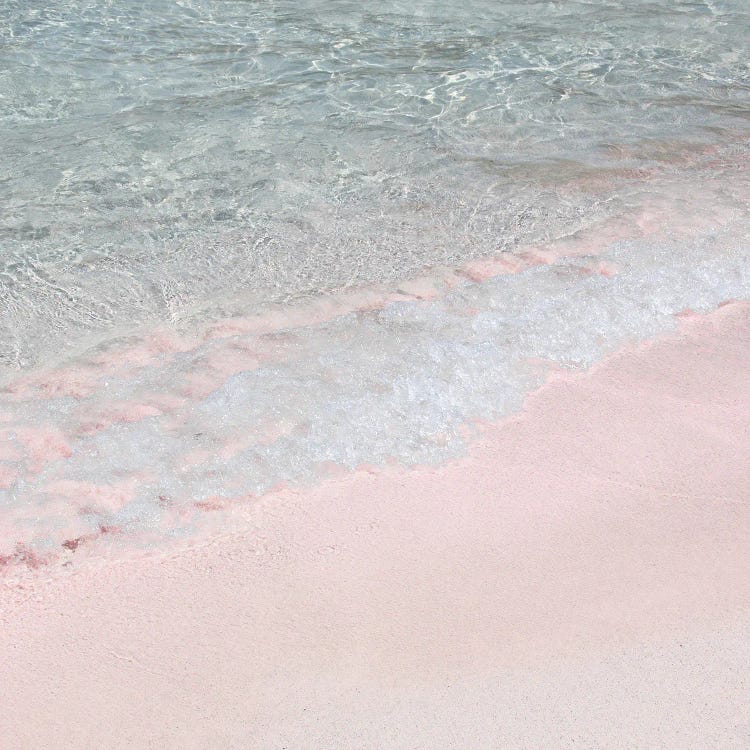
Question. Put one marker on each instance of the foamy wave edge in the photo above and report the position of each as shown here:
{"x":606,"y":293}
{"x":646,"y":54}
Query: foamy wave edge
{"x":155,"y":438}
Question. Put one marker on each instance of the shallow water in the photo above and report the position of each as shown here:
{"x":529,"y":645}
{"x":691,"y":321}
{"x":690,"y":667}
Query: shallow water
{"x":245,"y":242}
{"x":166,"y":160}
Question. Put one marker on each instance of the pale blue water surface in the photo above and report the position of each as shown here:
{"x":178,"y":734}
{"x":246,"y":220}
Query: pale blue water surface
{"x":170,"y":169}
{"x":166,"y":158}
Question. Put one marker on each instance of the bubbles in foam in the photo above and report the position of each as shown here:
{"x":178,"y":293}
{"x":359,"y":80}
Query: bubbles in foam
{"x":146,"y":450}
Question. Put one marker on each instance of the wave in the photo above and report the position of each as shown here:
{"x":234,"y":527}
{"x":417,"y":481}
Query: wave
{"x":142,"y":440}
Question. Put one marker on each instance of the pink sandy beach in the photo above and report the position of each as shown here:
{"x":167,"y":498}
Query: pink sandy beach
{"x":580,"y":579}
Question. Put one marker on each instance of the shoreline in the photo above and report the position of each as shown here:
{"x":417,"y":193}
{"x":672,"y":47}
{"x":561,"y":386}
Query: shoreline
{"x":579,"y":543}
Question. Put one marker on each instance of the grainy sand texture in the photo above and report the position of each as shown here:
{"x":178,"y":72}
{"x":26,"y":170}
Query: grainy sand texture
{"x":580,"y":579}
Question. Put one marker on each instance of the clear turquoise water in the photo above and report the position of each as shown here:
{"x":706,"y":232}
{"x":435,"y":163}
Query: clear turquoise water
{"x":164,"y":159}
{"x":169,"y":169}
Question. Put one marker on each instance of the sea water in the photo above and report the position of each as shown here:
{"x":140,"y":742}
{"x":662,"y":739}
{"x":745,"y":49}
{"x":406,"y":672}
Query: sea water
{"x":241,"y":242}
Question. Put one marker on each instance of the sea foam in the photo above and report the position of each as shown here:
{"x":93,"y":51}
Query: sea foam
{"x":142,"y":446}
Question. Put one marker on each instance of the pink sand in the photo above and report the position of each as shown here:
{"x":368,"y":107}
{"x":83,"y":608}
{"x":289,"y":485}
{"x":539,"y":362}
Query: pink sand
{"x":580,"y":579}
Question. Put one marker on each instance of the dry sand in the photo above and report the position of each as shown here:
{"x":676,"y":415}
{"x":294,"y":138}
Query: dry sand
{"x":581,"y":579}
